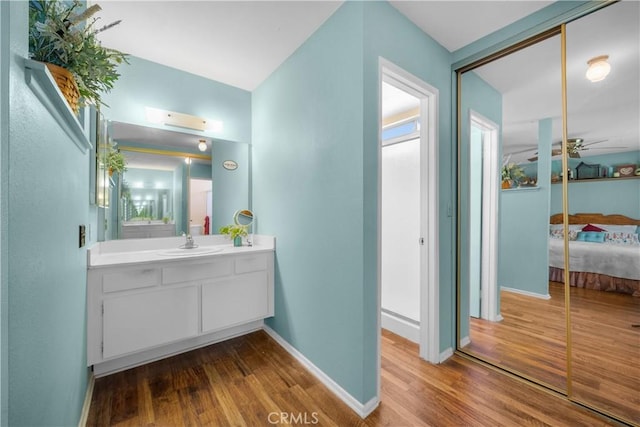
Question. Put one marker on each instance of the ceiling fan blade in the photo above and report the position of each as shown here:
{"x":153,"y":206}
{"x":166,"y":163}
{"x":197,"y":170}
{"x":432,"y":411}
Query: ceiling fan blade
{"x":574,"y":155}
{"x":594,"y":142}
{"x":533,"y":159}
{"x":556,"y":152}
{"x":607,"y":148}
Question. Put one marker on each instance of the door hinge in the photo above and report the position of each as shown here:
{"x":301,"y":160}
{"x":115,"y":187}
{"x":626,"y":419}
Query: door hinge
{"x":421,"y":241}
{"x":102,"y":348}
{"x":102,"y":309}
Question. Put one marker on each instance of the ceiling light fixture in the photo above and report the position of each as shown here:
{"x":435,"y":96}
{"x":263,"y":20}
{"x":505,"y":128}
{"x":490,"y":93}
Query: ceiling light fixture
{"x":202,"y":145}
{"x":598,"y":69}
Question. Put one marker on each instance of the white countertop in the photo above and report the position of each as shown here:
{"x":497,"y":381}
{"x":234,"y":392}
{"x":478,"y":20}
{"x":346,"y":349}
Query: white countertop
{"x":141,"y":251}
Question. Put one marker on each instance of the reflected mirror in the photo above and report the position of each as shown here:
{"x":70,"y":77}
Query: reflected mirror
{"x":171,"y":185}
{"x":510,"y":121}
{"x":243,"y":217}
{"x":604,"y":274}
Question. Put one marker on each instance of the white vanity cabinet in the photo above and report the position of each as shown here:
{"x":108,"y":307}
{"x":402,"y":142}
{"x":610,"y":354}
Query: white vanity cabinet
{"x":145,"y":311}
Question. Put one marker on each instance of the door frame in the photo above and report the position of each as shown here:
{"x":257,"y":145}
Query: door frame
{"x":429,"y":260}
{"x":490,"y":197}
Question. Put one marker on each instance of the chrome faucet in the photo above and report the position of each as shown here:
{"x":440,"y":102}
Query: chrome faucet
{"x":189,"y":244}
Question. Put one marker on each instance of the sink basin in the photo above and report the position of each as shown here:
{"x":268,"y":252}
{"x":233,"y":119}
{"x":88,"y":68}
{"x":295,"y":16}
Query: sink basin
{"x":202,"y":250}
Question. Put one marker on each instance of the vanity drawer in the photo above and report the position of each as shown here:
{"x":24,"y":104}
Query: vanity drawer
{"x":190,"y":272}
{"x":130,"y":279}
{"x":247,"y":264}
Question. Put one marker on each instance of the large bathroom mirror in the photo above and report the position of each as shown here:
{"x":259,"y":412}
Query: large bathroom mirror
{"x":510,"y":120}
{"x":175,"y":183}
{"x":603,"y":113}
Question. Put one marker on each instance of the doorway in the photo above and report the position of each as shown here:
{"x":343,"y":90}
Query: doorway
{"x":200,"y":206}
{"x":408,"y":224}
{"x":483,"y":218}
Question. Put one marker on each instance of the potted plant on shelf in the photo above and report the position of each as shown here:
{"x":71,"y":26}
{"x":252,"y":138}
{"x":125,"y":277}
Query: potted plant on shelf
{"x":512,"y":174}
{"x":235,"y":233}
{"x":62,"y":35}
{"x":114,"y":161}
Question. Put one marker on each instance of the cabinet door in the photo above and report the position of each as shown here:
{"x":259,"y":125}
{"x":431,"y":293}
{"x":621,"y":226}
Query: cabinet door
{"x":140,"y":321}
{"x":235,"y":301}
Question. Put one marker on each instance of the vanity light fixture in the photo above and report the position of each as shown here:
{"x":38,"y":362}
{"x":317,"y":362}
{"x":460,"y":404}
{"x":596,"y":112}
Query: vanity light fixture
{"x":202,"y":145}
{"x":598,"y":69}
{"x":172,"y":118}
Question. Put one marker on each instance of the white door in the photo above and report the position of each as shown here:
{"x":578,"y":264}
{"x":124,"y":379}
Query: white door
{"x":401,"y":231}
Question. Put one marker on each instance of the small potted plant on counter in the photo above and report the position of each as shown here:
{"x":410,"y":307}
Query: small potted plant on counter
{"x":235,"y":233}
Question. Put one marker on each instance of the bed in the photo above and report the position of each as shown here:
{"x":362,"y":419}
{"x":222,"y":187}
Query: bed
{"x":605,"y":266}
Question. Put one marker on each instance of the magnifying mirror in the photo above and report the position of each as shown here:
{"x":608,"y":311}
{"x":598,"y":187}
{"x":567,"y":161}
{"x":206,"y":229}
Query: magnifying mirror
{"x":243,"y":217}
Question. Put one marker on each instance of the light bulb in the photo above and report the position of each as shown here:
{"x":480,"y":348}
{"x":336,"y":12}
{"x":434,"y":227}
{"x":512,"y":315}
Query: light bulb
{"x":202,"y":145}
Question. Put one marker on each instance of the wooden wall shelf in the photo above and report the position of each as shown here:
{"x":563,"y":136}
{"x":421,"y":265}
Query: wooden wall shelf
{"x":45,"y":88}
{"x":622,"y":178}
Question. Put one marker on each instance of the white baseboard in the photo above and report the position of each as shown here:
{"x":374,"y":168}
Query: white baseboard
{"x":446,"y":354}
{"x":465,"y":341}
{"x":400,"y":326}
{"x":527,"y":293}
{"x":84,"y":415}
{"x":363,"y":410}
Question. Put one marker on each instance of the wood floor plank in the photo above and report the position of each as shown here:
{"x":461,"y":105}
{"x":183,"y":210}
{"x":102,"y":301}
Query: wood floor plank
{"x":251,"y":380}
{"x":605,"y":347}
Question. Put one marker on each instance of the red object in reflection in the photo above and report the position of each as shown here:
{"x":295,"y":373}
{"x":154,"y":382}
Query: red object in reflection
{"x":206,"y":225}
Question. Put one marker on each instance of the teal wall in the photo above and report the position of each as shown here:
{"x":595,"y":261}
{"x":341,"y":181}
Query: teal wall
{"x":607,"y":197}
{"x":47,"y":373}
{"x":523,"y":251}
{"x":480,"y":97}
{"x":307,"y":191}
{"x":315,"y":186}
{"x":175,"y":90}
{"x":4,"y":187}
{"x":226,"y":198}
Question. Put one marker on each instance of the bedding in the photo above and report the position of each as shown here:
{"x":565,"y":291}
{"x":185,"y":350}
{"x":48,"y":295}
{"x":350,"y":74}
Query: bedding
{"x":604,"y":252}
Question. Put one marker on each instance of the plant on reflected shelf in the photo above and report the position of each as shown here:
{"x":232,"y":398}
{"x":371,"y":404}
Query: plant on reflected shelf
{"x":62,"y":33}
{"x":512,"y":173}
{"x":114,"y":161}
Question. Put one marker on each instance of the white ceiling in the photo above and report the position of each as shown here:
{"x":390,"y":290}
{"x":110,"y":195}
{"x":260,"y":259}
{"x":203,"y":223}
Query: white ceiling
{"x":605,"y":114}
{"x":455,"y":24}
{"x":241,"y":43}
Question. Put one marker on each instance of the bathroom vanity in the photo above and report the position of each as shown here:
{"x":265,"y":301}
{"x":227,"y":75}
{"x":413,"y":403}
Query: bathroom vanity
{"x":148,"y":298}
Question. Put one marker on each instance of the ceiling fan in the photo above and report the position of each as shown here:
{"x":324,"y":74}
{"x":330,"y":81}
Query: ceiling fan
{"x":574,"y":147}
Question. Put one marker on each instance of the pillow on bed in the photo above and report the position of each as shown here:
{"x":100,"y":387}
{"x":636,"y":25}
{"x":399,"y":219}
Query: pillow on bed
{"x":591,"y":236}
{"x":618,"y":228}
{"x":556,"y":230}
{"x":591,"y":227}
{"x":622,"y":239}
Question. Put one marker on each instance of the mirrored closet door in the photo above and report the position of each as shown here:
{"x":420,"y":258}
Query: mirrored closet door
{"x":603,"y":123}
{"x":511,"y":116}
{"x":547,"y":164}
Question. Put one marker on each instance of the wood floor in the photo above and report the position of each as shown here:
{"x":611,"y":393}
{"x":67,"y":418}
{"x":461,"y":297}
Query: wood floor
{"x":605,"y":361}
{"x":252,"y":381}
